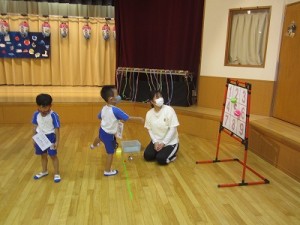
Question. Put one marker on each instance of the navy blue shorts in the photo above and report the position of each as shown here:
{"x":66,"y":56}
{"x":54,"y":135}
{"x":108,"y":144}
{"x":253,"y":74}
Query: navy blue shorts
{"x":109,"y":141}
{"x":51,"y":152}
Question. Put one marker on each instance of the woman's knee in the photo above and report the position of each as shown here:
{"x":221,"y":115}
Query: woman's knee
{"x":148,"y":156}
{"x":161,"y":160}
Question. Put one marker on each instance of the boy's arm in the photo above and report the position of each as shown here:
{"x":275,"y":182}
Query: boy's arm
{"x":34,"y":131}
{"x":57,"y":134}
{"x":137,"y":119}
{"x":120,"y":115}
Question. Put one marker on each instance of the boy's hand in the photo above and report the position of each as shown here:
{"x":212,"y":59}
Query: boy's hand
{"x":141,"y":119}
{"x":55,"y":146}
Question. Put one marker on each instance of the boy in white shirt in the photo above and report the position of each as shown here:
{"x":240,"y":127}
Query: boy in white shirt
{"x":47,"y":121}
{"x":110,"y":116}
{"x":161,"y":122}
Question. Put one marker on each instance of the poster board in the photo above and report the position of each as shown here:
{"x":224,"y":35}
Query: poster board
{"x":35,"y":45}
{"x":236,"y":109}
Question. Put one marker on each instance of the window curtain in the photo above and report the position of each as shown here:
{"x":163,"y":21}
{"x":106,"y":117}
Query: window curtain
{"x":74,"y":61}
{"x":159,"y":34}
{"x":248,"y":39}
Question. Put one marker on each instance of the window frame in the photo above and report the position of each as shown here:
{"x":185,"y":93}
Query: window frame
{"x":235,"y":11}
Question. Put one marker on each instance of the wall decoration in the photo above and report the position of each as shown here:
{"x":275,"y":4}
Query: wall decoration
{"x":291,"y":31}
{"x":87,"y":31}
{"x":34,"y":45}
{"x":24,"y":29}
{"x":4,"y":27}
{"x":105,"y":31}
{"x":64,"y":29}
{"x":46,"y":31}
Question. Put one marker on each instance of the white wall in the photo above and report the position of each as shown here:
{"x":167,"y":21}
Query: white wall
{"x":214,"y":39}
{"x":291,"y":1}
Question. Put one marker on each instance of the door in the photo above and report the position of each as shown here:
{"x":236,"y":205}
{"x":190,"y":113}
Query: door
{"x":287,"y":95}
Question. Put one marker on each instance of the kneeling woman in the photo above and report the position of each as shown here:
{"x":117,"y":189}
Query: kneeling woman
{"x":161,"y":122}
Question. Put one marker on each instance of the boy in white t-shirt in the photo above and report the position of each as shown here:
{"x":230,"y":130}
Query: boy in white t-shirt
{"x":47,"y":121}
{"x":161,"y":122}
{"x":110,"y":116}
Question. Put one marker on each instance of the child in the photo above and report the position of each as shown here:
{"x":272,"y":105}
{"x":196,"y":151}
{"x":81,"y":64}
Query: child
{"x":46,"y":121}
{"x":109,"y":116}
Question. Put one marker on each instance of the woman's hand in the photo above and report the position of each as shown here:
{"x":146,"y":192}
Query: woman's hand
{"x":158,"y":146}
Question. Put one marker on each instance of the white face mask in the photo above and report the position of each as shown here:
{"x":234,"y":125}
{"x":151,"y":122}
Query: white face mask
{"x":159,"y":102}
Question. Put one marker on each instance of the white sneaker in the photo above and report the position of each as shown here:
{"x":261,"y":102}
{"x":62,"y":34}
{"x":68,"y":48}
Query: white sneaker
{"x":57,"y":178}
{"x":111,"y":173}
{"x":40,"y":175}
{"x":92,"y":146}
{"x":173,"y":159}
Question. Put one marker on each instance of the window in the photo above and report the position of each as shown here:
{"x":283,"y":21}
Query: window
{"x":247,"y":37}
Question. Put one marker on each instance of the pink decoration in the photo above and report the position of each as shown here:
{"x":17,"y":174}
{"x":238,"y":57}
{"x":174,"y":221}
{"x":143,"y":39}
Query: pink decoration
{"x":87,"y":31}
{"x":237,"y":112}
{"x":4,"y":27}
{"x":46,"y":29}
{"x":24,"y":29}
{"x":105,"y":31}
{"x":64,"y":29}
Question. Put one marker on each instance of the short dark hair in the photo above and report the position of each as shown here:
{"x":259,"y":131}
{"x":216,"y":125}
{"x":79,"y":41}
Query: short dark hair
{"x":107,"y":92}
{"x":154,"y":93}
{"x":43,"y":100}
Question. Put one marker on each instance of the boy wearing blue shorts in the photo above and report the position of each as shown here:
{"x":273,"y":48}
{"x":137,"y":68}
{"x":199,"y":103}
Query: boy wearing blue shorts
{"x":47,"y":121}
{"x":110,"y":116}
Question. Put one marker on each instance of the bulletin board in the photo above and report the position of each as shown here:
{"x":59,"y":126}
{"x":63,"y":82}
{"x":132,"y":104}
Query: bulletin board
{"x":35,"y":45}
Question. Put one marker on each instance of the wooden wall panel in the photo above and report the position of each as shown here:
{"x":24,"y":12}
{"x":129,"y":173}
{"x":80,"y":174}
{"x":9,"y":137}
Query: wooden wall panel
{"x":211,"y":94}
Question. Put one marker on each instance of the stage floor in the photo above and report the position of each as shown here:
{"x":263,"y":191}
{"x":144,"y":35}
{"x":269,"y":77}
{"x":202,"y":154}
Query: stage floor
{"x":60,"y":94}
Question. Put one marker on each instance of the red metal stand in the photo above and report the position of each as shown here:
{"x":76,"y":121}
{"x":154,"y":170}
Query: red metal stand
{"x":244,"y":141}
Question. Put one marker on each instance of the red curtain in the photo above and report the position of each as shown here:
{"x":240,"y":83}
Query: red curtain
{"x":159,"y":34}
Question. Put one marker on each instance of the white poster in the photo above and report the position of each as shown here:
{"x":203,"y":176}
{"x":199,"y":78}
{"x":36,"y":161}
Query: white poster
{"x":42,"y":141}
{"x":120,"y":130}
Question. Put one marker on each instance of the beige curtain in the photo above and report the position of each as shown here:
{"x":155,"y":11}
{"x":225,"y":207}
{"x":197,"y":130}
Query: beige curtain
{"x":248,"y":39}
{"x":74,"y":61}
{"x":63,"y":9}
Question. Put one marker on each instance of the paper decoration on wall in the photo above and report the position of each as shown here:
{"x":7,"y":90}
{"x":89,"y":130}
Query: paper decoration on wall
{"x":34,"y":45}
{"x":46,"y":31}
{"x":87,"y":31}
{"x":291,"y":29}
{"x":24,"y":29}
{"x":105,"y":31}
{"x":114,"y":32}
{"x":64,"y":29}
{"x":4,"y":27}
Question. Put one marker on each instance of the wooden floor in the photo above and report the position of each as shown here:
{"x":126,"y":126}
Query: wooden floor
{"x":142,"y":193}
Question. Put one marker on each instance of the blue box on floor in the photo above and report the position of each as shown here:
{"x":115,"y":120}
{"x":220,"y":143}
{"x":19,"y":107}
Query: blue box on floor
{"x":131,"y":146}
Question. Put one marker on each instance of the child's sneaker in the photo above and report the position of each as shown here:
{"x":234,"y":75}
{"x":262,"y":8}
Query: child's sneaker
{"x":57,"y":178}
{"x":92,"y":146}
{"x":40,"y":175}
{"x":111,"y":173}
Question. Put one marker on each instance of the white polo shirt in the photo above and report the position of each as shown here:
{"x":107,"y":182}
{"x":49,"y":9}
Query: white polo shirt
{"x":109,"y":117}
{"x":46,"y":124}
{"x":160,"y":122}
